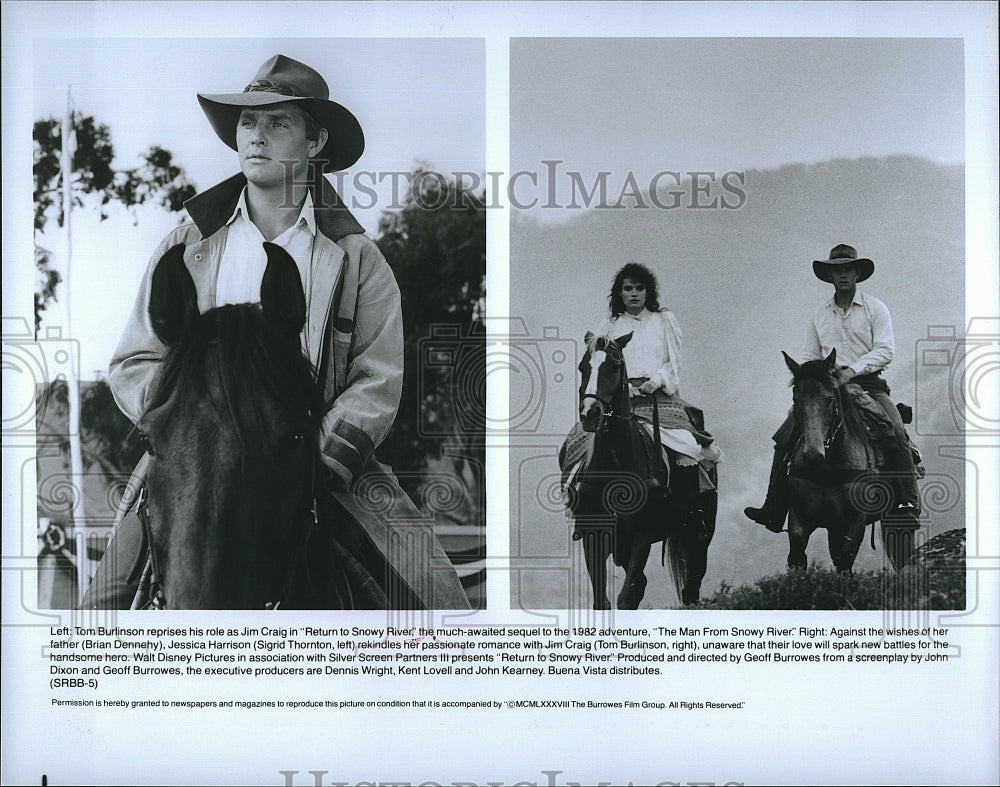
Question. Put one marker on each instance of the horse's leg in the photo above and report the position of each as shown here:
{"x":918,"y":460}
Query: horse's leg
{"x":596,"y":549}
{"x":897,"y":536}
{"x":634,"y":587}
{"x":798,"y":539}
{"x":846,"y":529}
{"x":694,"y":561}
{"x":696,"y":549}
{"x":844,"y":543}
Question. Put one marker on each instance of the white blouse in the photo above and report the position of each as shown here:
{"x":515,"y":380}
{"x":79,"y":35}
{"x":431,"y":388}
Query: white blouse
{"x":655,"y":348}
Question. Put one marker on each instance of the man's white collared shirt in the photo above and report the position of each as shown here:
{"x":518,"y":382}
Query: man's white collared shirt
{"x":861,"y":334}
{"x":244,"y":259}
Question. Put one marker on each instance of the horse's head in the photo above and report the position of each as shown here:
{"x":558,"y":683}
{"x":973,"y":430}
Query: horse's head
{"x":603,"y":385}
{"x":816,"y":404}
{"x":231,"y":426}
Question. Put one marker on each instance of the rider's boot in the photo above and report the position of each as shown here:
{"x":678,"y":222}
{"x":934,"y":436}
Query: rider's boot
{"x":772,"y":514}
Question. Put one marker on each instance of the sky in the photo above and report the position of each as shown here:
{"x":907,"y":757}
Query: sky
{"x":645,"y":105}
{"x":420,"y":101}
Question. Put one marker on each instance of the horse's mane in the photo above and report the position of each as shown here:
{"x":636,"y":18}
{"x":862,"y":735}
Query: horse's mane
{"x":249,"y":358}
{"x":592,"y":344}
{"x":817,"y":371}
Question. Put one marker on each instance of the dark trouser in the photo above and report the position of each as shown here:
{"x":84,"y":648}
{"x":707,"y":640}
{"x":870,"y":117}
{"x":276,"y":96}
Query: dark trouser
{"x":117,"y":578}
{"x":898,"y":456}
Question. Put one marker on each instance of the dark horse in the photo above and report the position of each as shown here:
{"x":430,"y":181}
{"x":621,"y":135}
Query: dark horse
{"x":620,"y":497}
{"x":235,"y":512}
{"x":833,"y":478}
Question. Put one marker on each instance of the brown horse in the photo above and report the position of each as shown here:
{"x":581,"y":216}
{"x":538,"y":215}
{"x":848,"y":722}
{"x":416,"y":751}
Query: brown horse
{"x":833,"y":478}
{"x":619,"y":497}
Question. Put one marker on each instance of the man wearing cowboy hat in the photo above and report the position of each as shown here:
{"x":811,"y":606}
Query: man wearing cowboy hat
{"x":287,"y":133}
{"x":858,"y":326}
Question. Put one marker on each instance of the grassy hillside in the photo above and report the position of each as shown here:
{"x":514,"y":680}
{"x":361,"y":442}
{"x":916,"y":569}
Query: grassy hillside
{"x":934,"y":580}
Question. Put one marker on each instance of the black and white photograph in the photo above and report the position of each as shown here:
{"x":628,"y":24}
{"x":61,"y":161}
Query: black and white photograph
{"x":707,"y":205}
{"x":212,"y":434}
{"x":500,"y":393}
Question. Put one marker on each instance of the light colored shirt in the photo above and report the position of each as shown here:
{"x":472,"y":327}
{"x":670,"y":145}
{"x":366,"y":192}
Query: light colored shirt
{"x":862,"y":335}
{"x":654,"y":351}
{"x":244,"y":259}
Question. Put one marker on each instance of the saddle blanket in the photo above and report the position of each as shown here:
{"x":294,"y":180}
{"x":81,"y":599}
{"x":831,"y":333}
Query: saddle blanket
{"x":577,"y":448}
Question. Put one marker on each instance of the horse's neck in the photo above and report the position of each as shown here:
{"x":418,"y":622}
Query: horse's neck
{"x":623,"y":402}
{"x":611,"y":444}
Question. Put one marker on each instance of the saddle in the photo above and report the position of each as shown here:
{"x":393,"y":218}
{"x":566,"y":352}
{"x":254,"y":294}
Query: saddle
{"x":645,"y":460}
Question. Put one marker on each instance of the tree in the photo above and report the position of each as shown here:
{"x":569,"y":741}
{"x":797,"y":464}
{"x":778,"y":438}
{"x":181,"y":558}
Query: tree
{"x":436,"y":245}
{"x":108,"y":437}
{"x":156,"y":178}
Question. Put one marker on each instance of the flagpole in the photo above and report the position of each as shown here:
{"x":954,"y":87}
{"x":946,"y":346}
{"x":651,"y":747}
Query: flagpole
{"x":79,"y":516}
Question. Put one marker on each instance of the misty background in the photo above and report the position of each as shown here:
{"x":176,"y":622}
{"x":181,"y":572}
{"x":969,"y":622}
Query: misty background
{"x":856,"y":141}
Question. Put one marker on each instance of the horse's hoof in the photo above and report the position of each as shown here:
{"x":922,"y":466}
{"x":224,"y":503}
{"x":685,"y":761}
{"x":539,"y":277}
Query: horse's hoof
{"x":603,"y":604}
{"x":631,"y":594}
{"x":689,"y":597}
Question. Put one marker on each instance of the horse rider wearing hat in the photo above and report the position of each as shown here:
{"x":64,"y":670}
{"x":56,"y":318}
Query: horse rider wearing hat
{"x":858,"y":326}
{"x":288,"y":133}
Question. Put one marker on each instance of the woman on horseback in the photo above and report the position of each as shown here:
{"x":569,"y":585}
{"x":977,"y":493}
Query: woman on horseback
{"x":653,"y":359}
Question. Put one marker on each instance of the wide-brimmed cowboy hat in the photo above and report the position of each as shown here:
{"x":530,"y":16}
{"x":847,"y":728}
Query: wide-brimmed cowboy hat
{"x":281,"y":80}
{"x":843,"y":255}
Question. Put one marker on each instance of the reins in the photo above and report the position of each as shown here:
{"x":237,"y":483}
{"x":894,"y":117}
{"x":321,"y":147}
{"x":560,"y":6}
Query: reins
{"x":624,"y":398}
{"x":838,"y":415}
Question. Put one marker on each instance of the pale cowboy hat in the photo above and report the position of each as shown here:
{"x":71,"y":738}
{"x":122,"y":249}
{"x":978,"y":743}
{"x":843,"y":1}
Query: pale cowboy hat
{"x":281,"y":80}
{"x":843,"y":255}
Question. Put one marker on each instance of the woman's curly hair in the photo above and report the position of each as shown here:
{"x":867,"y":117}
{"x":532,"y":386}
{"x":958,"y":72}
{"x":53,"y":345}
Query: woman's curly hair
{"x":637,"y":273}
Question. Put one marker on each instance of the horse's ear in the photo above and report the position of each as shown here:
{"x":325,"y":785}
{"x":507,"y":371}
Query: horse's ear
{"x":173,"y":299}
{"x":281,"y":296}
{"x":831,"y":360}
{"x":621,"y":341}
{"x":588,"y":337}
{"x":792,"y":366}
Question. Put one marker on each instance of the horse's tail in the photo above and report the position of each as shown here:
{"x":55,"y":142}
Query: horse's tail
{"x":675,"y":556}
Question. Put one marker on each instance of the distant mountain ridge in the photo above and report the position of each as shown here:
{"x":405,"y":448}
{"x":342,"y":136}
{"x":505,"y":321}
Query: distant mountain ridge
{"x":741,"y":285}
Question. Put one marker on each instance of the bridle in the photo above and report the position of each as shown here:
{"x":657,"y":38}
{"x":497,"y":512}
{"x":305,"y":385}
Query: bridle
{"x":151,"y":579}
{"x":836,"y":422}
{"x":838,"y":418}
{"x":607,"y":403}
